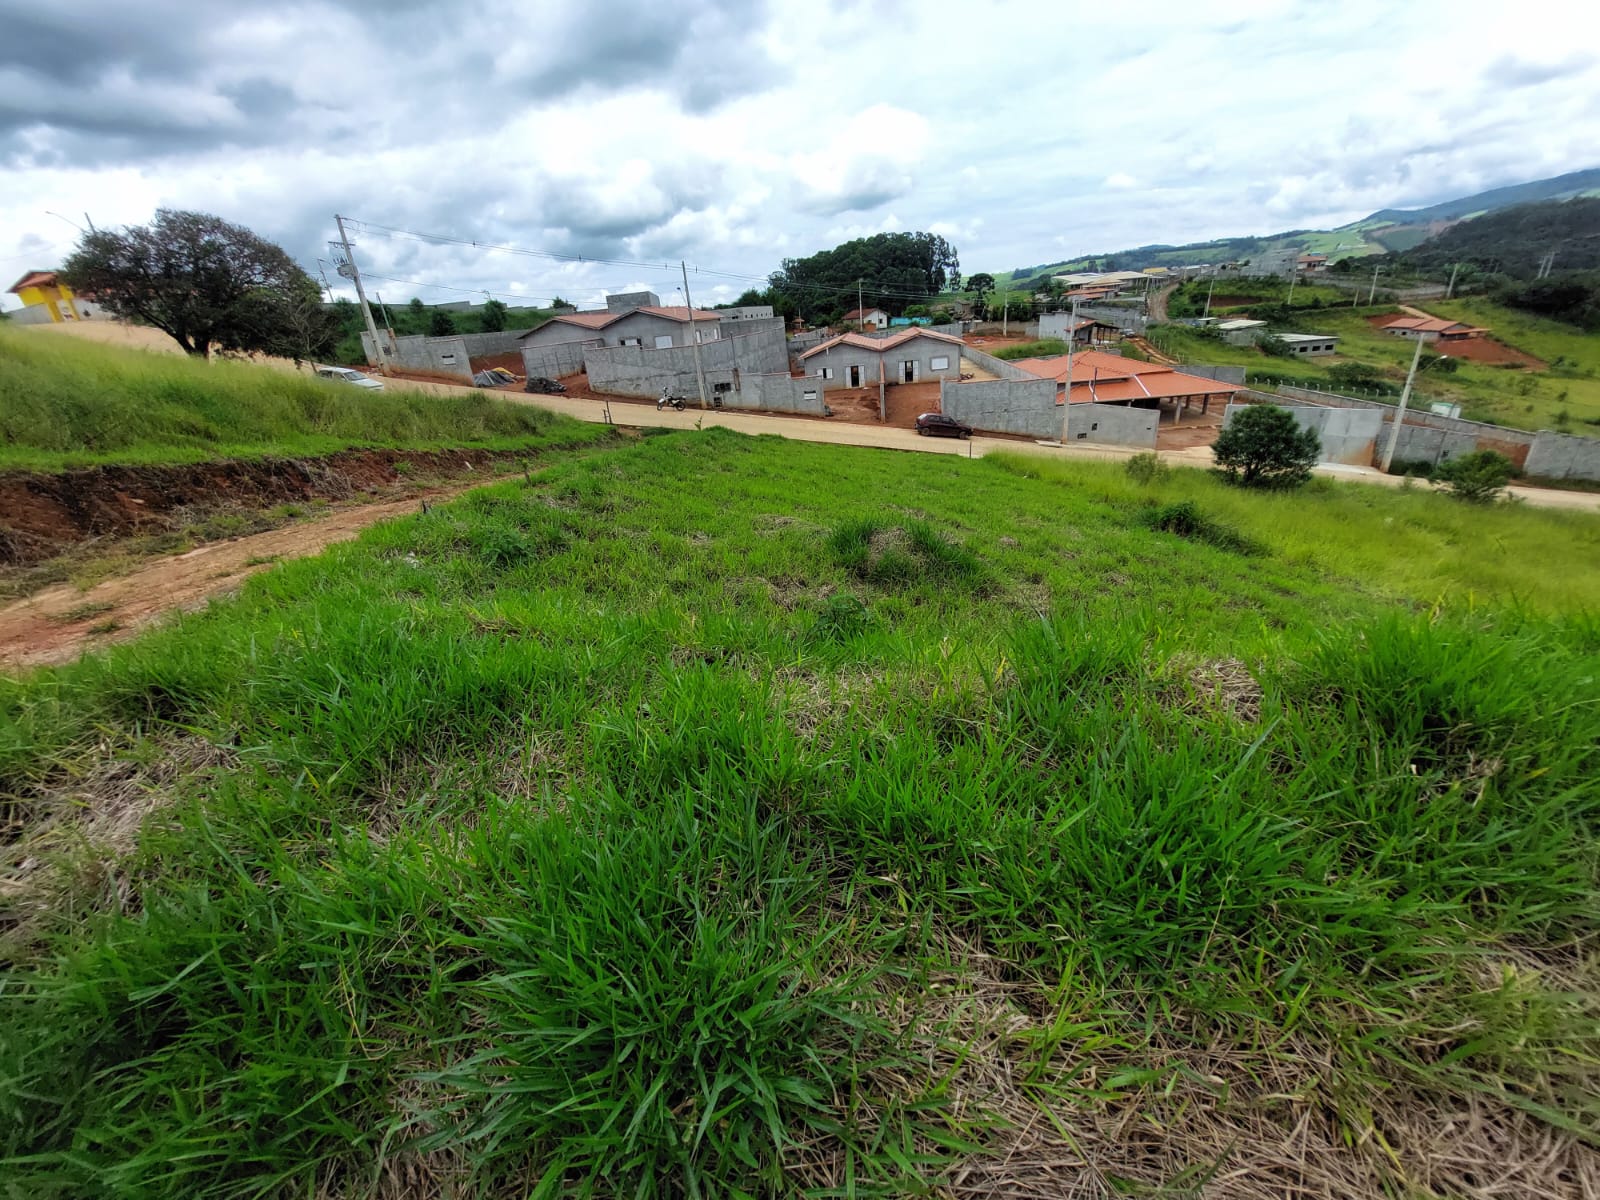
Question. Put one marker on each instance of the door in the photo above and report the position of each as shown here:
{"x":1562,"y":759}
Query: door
{"x":852,"y":376}
{"x":908,"y":371}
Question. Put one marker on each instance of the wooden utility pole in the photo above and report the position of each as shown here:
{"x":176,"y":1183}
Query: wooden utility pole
{"x":694,"y":340}
{"x":361,"y":294}
{"x":1374,"y":292}
{"x":1450,"y":290}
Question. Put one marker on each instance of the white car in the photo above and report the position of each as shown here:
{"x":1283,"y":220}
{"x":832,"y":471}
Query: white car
{"x":346,"y":375}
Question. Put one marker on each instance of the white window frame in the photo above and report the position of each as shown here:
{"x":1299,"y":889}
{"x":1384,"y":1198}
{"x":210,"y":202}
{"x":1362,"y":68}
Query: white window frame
{"x":663,"y":341}
{"x":631,"y":341}
{"x":824,"y":372}
{"x":940,"y":363}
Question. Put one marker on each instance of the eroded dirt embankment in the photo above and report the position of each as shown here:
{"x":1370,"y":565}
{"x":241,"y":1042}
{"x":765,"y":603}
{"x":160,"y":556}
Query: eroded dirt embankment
{"x":41,"y":515}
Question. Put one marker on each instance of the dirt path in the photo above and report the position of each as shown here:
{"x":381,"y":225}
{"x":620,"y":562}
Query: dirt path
{"x":60,"y":623}
{"x":1157,"y":311}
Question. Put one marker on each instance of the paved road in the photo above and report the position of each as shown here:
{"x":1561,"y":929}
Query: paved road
{"x":845,"y":433}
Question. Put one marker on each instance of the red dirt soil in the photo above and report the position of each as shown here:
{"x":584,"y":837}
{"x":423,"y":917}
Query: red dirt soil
{"x":42,"y":513}
{"x":1478,"y":349}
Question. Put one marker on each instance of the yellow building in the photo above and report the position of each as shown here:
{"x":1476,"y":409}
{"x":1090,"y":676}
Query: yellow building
{"x":42,"y":289}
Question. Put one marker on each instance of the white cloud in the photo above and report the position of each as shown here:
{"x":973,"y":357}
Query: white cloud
{"x":753,"y":131}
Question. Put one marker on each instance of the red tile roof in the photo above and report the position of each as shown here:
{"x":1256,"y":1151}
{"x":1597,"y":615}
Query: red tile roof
{"x":34,"y":279}
{"x":856,"y":314}
{"x":1097,"y":375}
{"x":1432,"y":325}
{"x":600,"y":319}
{"x":879,"y":345}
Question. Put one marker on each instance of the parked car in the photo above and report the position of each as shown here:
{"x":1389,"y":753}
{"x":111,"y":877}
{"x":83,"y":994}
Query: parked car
{"x":939,"y":425}
{"x":347,"y":375}
{"x":537,"y":383}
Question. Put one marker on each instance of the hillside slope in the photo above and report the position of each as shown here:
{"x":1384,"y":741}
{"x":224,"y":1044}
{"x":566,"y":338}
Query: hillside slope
{"x":736,"y":816}
{"x":66,"y":400}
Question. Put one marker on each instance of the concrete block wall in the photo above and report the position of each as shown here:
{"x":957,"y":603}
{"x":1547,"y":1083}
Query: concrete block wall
{"x":1562,"y":456}
{"x":760,"y":349}
{"x":1026,"y":406}
{"x":504,"y":342}
{"x":552,"y":362}
{"x":1349,"y":435}
{"x":997,"y":366}
{"x":1207,"y":371}
{"x":777,"y":393}
{"x":1427,"y":436}
{"x":445,"y":355}
{"x":1113,"y":425}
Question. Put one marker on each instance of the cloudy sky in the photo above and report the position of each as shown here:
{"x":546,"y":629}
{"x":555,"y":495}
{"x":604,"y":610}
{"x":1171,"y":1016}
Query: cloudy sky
{"x":735,"y":134}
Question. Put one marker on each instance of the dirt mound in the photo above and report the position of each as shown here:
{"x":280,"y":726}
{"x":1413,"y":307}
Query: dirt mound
{"x":42,"y":513}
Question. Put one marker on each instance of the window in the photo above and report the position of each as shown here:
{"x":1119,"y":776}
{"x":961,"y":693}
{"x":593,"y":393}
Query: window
{"x":629,"y":342}
{"x":663,"y":341}
{"x":942,"y":363}
{"x":825,"y":372}
{"x":447,"y":360}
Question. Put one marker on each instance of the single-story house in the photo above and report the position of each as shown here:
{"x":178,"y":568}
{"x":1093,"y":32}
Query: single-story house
{"x":47,"y":300}
{"x":1312,"y":263}
{"x":1087,"y":332}
{"x":632,"y":319}
{"x":1102,"y":378}
{"x":868,"y":318}
{"x":1433,"y":329}
{"x":1241,"y":331}
{"x":1309,"y":345}
{"x":853,"y":360}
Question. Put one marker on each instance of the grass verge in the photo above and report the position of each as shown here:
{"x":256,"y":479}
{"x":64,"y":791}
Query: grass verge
{"x":737,"y":816}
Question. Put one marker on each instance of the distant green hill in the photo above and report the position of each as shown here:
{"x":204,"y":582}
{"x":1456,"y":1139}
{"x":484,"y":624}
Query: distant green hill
{"x":1513,"y":241}
{"x":1389,"y":230}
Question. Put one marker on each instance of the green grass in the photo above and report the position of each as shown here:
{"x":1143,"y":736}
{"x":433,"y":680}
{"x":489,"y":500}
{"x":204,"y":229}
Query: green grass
{"x":1044,"y":348}
{"x":729,"y":816}
{"x":66,"y":403}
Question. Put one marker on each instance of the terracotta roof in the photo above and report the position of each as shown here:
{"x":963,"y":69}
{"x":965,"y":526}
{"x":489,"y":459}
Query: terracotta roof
{"x":34,"y":279}
{"x":600,"y":319}
{"x":1110,"y":377}
{"x":879,"y":345}
{"x":855,"y":314}
{"x":1432,"y":325}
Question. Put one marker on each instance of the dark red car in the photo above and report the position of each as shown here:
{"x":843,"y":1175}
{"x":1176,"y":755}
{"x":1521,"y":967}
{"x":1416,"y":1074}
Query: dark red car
{"x":939,"y":425}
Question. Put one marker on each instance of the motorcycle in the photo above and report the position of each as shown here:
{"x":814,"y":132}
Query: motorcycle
{"x":666,"y":398}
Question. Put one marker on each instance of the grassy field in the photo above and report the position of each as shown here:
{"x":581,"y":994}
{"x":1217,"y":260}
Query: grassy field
{"x":726,"y":816}
{"x":1516,"y":398}
{"x":66,"y":403}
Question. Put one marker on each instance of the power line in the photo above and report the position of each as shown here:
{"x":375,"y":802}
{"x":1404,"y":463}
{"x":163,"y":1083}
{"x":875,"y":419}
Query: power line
{"x":878,"y":290}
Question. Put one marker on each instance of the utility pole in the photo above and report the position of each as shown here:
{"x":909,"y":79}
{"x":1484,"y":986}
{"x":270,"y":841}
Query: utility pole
{"x":384,"y":309}
{"x":1209,"y":290}
{"x":1374,"y":292}
{"x":361,"y":294}
{"x":1400,"y":413}
{"x":861,"y":314}
{"x":1005,"y":315}
{"x":1066,"y":400}
{"x":322,"y":269}
{"x":1450,"y":290}
{"x":694,"y":341}
{"x":1294,"y":278}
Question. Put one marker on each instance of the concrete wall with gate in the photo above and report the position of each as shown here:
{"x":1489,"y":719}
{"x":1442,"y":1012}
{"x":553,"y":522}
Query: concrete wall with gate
{"x":1348,"y":435}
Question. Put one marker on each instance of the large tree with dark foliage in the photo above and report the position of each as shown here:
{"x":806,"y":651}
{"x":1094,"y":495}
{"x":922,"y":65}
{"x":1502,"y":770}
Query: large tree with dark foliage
{"x":894,"y":269}
{"x":207,"y":283}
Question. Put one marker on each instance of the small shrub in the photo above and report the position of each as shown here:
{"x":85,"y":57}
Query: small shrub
{"x":1147,"y":468}
{"x":1478,"y":478}
{"x":1262,"y":446}
{"x":892,"y":555}
{"x":1412,"y":468}
{"x":841,"y":618}
{"x":1185,"y":519}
